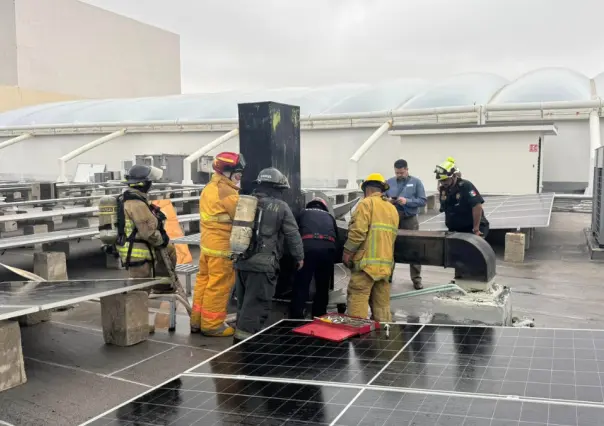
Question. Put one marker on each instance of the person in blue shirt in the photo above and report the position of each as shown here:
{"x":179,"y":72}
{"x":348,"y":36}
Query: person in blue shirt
{"x":408,"y":195}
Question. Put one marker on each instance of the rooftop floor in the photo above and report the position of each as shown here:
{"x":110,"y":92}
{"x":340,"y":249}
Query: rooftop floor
{"x":73,"y":375}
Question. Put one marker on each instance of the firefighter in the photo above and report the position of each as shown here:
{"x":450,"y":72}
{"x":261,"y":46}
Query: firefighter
{"x":143,"y":227}
{"x":460,"y":201}
{"x":257,"y":269}
{"x":216,"y":277}
{"x":369,"y":251}
{"x":319,"y":235}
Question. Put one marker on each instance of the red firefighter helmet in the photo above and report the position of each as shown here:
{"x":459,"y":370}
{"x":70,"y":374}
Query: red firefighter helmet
{"x":317,"y":202}
{"x":228,"y":162}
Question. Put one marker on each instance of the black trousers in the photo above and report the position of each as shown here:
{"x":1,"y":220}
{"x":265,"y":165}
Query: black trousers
{"x":318,"y":264}
{"x":255,"y":291}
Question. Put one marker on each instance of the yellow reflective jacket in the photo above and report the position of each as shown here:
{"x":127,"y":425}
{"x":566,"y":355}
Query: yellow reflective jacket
{"x":371,"y":235}
{"x":137,"y":214}
{"x":216,"y":211}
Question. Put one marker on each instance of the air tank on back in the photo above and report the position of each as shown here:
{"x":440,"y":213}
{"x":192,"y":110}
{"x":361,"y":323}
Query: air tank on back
{"x":108,"y":219}
{"x":243,"y":224}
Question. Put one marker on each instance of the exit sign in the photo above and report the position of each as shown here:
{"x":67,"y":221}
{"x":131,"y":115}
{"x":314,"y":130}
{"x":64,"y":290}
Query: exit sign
{"x":534,"y":147}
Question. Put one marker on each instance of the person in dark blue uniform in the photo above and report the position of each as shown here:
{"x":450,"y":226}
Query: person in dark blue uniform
{"x":460,"y":201}
{"x":319,"y":236}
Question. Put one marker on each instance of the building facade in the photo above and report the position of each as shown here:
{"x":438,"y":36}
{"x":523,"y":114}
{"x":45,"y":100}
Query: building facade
{"x":65,"y":49}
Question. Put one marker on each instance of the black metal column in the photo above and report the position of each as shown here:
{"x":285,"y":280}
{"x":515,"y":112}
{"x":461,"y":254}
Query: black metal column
{"x":269,"y":136}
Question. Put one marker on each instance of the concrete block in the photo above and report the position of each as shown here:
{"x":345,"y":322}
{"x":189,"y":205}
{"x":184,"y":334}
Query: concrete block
{"x":50,"y":225}
{"x":62,"y":246}
{"x":515,"y":244}
{"x":34,"y":319}
{"x":8,"y":226}
{"x":12,"y":368}
{"x":35,"y":229}
{"x":88,"y":222}
{"x":493,"y":308}
{"x":51,"y":265}
{"x":113,"y":262}
{"x":125,"y":318}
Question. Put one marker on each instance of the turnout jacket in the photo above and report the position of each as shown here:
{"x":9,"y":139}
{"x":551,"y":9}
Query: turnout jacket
{"x":217,"y":205}
{"x":371,"y":235}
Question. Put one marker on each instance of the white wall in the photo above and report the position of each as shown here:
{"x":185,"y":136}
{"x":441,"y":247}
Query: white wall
{"x":70,"y":47}
{"x":494,"y":162}
{"x":566,"y":156}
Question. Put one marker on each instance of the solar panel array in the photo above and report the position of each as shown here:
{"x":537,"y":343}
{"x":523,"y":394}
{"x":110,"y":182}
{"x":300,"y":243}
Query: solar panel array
{"x":507,"y":212}
{"x":26,"y":297}
{"x":409,"y":375}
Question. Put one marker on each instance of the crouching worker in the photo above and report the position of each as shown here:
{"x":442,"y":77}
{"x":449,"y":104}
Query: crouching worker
{"x":369,"y":251}
{"x":258,"y":268}
{"x":319,"y":235}
{"x":141,"y":228}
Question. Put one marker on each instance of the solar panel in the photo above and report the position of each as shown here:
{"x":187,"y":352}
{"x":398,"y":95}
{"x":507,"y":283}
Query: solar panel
{"x":47,"y":295}
{"x":408,"y":375}
{"x":7,"y":312}
{"x":509,"y":212}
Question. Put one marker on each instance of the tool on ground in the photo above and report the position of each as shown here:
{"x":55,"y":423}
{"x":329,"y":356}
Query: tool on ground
{"x":181,"y":295}
{"x":337,"y":327}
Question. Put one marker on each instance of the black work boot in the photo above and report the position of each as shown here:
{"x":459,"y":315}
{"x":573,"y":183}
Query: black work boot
{"x":418,"y":285}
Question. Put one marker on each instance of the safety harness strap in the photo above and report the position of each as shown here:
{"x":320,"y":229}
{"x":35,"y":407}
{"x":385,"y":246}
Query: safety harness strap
{"x":318,"y":237}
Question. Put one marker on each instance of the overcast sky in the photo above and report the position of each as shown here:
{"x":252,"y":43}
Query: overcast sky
{"x":241,"y":44}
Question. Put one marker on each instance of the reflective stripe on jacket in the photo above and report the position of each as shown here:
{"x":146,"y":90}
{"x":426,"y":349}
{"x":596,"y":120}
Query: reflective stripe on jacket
{"x":217,"y":205}
{"x":138,"y":215}
{"x":371,"y":235}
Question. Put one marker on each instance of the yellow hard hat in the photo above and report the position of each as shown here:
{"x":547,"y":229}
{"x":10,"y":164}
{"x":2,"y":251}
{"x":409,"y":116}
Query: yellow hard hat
{"x":376,"y":177}
{"x":446,"y":169}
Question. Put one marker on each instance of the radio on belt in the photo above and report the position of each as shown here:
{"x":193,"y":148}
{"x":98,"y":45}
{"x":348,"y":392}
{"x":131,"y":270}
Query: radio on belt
{"x":337,"y":327}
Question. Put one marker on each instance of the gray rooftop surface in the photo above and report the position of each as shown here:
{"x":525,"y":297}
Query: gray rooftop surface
{"x":73,"y":376}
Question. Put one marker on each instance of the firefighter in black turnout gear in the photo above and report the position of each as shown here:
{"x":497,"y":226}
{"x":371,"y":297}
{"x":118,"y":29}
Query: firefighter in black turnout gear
{"x":258,"y":269}
{"x":319,"y":236}
{"x":141,"y":227}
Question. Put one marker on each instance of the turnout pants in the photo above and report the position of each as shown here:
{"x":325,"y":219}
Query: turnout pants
{"x":318,"y":264}
{"x":411,"y":223}
{"x":363,"y":292}
{"x":255,"y":291}
{"x":213,"y":287}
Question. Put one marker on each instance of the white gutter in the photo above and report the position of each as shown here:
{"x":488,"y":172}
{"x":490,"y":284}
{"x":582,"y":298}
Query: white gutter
{"x":204,"y":150}
{"x":540,"y":106}
{"x":353,"y":165}
{"x":78,"y":151}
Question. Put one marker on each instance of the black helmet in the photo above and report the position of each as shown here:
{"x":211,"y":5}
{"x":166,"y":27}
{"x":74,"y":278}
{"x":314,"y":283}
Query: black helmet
{"x":140,"y":173}
{"x":273,"y":177}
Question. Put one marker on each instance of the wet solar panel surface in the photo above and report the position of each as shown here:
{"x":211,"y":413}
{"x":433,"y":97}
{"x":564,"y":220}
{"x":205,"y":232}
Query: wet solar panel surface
{"x":410,"y":375}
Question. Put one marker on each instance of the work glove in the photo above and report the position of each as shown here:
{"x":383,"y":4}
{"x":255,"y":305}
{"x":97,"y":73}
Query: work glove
{"x":347,"y":259}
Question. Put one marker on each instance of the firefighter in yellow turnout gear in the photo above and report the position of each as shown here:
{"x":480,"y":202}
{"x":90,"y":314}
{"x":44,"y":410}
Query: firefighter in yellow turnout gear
{"x":369,"y":251}
{"x":216,"y":276}
{"x":143,"y":231}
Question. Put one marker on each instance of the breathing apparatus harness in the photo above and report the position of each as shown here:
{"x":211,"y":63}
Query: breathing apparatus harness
{"x":122,"y":238}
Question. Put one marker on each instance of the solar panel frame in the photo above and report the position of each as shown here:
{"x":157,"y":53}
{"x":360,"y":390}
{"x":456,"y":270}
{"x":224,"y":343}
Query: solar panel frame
{"x":528,"y":211}
{"x":425,"y":407}
{"x":48,"y":295}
